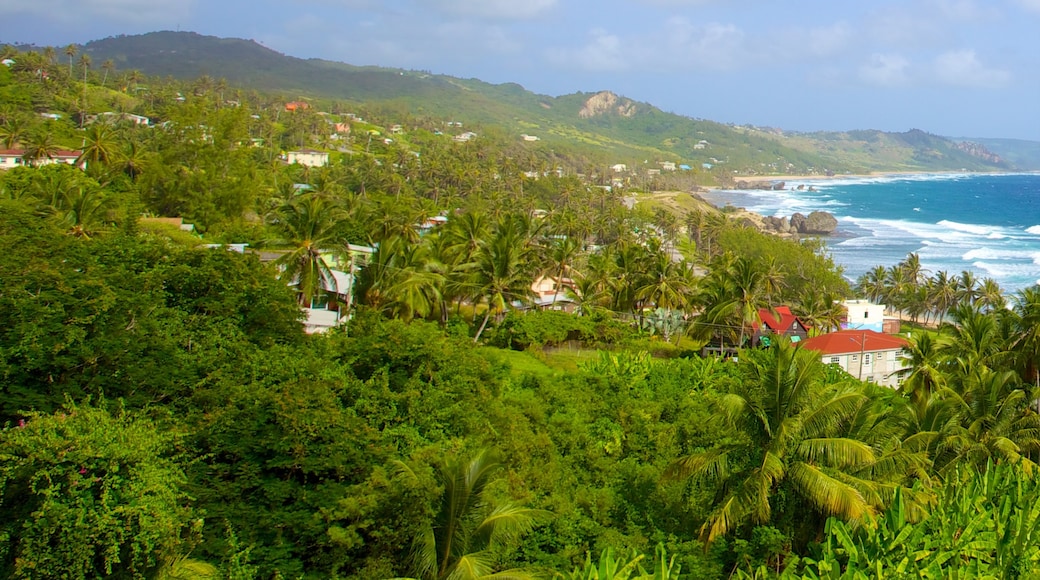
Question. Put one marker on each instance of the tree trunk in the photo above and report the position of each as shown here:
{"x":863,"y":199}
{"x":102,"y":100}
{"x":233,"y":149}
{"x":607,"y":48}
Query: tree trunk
{"x":480,"y":330}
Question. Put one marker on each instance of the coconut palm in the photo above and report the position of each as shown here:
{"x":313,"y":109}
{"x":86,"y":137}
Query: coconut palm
{"x":991,"y":296}
{"x":873,"y":284}
{"x":99,"y":147}
{"x":39,"y":147}
{"x":398,"y":279}
{"x":972,"y":339}
{"x":942,"y":293}
{"x":967,"y":287}
{"x":503,"y":270}
{"x":458,"y":544}
{"x":923,"y":374}
{"x":108,"y":66}
{"x":310,"y":227}
{"x":1025,"y":344}
{"x":70,"y":51}
{"x":994,"y":422}
{"x":786,"y":420}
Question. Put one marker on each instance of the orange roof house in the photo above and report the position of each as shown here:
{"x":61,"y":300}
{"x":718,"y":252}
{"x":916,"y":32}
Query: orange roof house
{"x":297,"y":105}
{"x":865,"y":354}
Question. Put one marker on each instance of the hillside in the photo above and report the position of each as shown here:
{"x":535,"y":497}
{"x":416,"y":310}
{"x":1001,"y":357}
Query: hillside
{"x":611,"y":125}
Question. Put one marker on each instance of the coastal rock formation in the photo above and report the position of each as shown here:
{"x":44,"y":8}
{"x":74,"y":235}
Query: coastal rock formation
{"x":760,"y":185}
{"x":816,"y":223}
{"x":605,"y":102}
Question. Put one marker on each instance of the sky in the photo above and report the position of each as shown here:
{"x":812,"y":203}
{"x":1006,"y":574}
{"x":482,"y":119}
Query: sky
{"x":957,"y":68}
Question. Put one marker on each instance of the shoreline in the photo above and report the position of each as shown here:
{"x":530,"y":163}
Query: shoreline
{"x":872,"y":174}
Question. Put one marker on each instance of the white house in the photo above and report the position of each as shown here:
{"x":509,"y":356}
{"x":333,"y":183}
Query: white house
{"x":308,"y":157}
{"x":16,"y":158}
{"x":863,"y":315}
{"x":619,"y":168}
{"x":865,"y":354}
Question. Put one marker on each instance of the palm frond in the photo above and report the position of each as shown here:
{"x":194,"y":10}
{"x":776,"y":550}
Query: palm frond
{"x":836,"y":452}
{"x":829,"y":495}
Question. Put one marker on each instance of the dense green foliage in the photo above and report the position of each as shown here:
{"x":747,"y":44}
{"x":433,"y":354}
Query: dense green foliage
{"x":166,"y":415}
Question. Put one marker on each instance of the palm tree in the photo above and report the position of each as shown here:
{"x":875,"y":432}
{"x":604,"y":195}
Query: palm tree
{"x":991,"y":296}
{"x":873,"y":284}
{"x":39,"y":146}
{"x":972,"y":339}
{"x":923,"y":375}
{"x":563,"y":252}
{"x":13,"y":131}
{"x":503,"y":270}
{"x":942,"y":293}
{"x":1025,"y":345}
{"x":967,"y":287}
{"x":310,"y":226}
{"x":70,"y":51}
{"x":819,"y":310}
{"x":398,"y":280}
{"x":786,"y":419}
{"x":458,"y":544}
{"x":994,"y":422}
{"x":108,"y":66}
{"x":747,"y":281}
{"x":99,"y":147}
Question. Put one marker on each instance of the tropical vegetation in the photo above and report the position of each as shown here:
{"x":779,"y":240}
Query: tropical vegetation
{"x":166,"y":416}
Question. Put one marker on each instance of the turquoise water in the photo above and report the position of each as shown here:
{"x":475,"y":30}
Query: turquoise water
{"x":989,"y":224}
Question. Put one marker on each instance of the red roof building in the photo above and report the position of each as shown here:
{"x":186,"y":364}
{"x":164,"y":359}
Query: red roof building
{"x":778,"y":321}
{"x":865,"y":354}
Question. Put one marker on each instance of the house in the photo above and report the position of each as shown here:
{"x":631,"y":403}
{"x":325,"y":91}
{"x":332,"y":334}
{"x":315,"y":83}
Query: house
{"x":779,"y":321}
{"x":527,"y":137}
{"x":175,"y":222}
{"x":111,"y":117}
{"x":297,"y":106}
{"x":16,"y":158}
{"x":308,"y":157}
{"x":550,"y":295}
{"x":863,"y":315}
{"x":331,"y":307}
{"x":462,"y":138}
{"x":667,"y":165}
{"x":865,"y":354}
{"x":619,"y":168}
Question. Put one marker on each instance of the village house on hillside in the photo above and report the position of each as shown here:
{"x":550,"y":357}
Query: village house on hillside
{"x":308,"y":157}
{"x":16,"y":158}
{"x":865,"y":354}
{"x":779,"y":321}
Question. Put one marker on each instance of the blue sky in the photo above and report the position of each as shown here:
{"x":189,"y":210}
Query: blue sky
{"x":960,"y":68}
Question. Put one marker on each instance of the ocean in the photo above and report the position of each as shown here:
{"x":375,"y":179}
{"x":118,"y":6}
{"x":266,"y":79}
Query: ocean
{"x":986,"y":223}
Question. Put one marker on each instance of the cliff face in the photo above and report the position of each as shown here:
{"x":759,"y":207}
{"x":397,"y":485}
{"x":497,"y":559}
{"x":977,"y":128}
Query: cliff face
{"x":980,"y":151}
{"x":607,"y":102}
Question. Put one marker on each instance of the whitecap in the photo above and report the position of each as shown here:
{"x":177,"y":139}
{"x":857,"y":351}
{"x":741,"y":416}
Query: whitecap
{"x":981,"y":230}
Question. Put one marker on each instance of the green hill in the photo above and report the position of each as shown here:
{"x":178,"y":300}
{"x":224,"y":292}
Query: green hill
{"x":610,"y":125}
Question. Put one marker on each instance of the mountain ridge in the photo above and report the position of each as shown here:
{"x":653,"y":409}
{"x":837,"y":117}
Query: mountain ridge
{"x":602,"y":120}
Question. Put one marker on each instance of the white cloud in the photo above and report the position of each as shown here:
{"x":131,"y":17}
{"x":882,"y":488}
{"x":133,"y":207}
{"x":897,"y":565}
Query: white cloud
{"x":119,"y":11}
{"x":885,"y":70}
{"x":963,"y":68}
{"x":603,"y":53}
{"x":496,"y":9}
